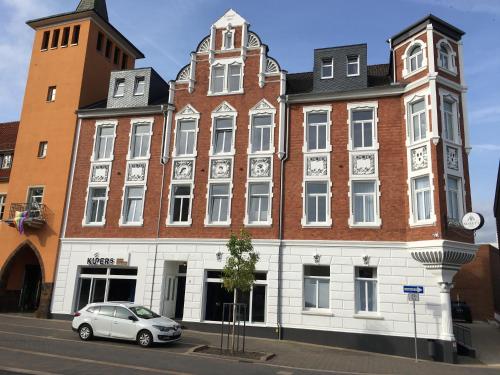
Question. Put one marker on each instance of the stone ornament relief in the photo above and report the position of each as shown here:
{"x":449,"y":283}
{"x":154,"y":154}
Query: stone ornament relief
{"x":220,"y":168}
{"x":260,"y":167}
{"x":183,"y":169}
{"x":363,"y":164}
{"x":419,"y":159}
{"x":136,"y":172}
{"x":100,"y":173}
{"x":317,"y":166}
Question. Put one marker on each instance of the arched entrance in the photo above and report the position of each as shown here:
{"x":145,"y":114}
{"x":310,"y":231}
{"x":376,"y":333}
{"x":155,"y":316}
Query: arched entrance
{"x":21,"y":281}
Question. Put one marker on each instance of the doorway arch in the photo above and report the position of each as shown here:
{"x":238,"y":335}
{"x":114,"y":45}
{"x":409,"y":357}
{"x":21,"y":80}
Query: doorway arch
{"x":22,"y":280}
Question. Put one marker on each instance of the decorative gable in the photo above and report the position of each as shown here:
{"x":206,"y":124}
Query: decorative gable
{"x":224,"y":107}
{"x":230,"y":18}
{"x":263,"y":105}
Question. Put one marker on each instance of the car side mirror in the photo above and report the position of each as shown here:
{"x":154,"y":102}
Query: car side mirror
{"x":133,"y":318}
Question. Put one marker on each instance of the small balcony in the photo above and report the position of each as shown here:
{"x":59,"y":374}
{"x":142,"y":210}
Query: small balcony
{"x":35,"y":214}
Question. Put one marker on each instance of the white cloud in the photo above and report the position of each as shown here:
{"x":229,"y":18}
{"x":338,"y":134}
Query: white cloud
{"x":488,"y":233}
{"x":485,"y":114}
{"x":476,"y":6}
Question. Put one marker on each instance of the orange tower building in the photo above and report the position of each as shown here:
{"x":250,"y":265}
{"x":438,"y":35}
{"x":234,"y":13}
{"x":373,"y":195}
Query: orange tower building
{"x":72,"y":58}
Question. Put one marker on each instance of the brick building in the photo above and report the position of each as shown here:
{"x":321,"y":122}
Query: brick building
{"x":352,"y":180}
{"x":8,"y":135}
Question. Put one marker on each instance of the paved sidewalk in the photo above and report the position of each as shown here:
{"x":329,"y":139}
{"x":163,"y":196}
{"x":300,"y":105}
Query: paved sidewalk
{"x":309,"y":356}
{"x":486,"y":341}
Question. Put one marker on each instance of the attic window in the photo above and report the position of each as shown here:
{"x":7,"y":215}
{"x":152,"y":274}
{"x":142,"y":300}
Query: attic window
{"x":228,"y":39}
{"x":327,"y":68}
{"x":76,"y":35}
{"x":140,"y":84}
{"x":116,"y":58}
{"x":55,"y":39}
{"x":100,"y":37}
{"x":353,"y":66}
{"x":45,"y":41}
{"x":109,"y":45}
{"x":119,"y":88}
{"x":124,"y":61}
{"x":416,"y":58}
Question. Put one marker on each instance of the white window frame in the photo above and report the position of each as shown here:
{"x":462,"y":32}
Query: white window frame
{"x":6,"y":156}
{"x":351,"y":63}
{"x":317,"y":109}
{"x":51,"y":94}
{"x":445,"y":95}
{"x":224,"y":47}
{"x":88,"y":201}
{"x":188,"y":113}
{"x":414,"y":201}
{"x":98,"y":125}
{"x":269,"y":221}
{"x":208,"y":221}
{"x":43,"y":147}
{"x":353,"y":107}
{"x":460,"y":198}
{"x":136,"y":85}
{"x":328,"y":219}
{"x":375,"y":194}
{"x":423,"y":95}
{"x":330,"y":64}
{"x":406,"y":57}
{"x":225,"y":63}
{"x":452,"y":66}
{"x":329,"y":278}
{"x":123,"y":222}
{"x":133,"y":124}
{"x":170,"y":219}
{"x":118,"y":82}
{"x":224,"y":110}
{"x":262,"y":108}
{"x":357,"y":295}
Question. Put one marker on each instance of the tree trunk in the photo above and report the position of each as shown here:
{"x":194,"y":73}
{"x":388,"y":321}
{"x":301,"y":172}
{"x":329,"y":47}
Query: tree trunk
{"x":235,"y":300}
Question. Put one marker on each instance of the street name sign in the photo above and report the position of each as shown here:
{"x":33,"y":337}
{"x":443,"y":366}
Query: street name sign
{"x":419,"y":289}
{"x":413,"y":297}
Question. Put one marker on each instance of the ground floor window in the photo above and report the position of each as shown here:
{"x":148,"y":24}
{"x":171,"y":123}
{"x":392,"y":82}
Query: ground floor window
{"x":102,"y":284}
{"x":316,"y":287}
{"x":366,"y":289}
{"x":216,"y":296}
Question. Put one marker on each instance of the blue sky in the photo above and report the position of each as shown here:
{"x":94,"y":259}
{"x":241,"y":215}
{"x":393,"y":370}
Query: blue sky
{"x":166,"y":31}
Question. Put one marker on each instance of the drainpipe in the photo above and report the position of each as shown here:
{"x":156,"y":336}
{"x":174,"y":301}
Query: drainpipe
{"x":283,"y":155}
{"x":167,"y":116}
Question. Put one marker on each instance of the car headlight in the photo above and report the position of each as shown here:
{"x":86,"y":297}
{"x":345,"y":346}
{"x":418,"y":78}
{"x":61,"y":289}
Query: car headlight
{"x":164,"y":329}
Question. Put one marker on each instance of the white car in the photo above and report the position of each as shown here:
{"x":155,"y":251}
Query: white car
{"x":125,"y":320}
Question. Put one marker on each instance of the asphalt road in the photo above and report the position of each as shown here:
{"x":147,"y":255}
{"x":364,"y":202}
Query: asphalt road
{"x":32,"y":346}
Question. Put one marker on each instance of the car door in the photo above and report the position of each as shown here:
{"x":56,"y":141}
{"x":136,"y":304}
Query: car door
{"x":101,"y":324}
{"x":123,"y":327}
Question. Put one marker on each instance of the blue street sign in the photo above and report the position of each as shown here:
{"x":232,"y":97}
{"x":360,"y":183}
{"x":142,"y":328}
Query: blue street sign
{"x":413,"y":289}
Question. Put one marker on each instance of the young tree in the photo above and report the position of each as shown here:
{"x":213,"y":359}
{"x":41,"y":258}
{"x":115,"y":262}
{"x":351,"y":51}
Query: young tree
{"x":239,"y":272}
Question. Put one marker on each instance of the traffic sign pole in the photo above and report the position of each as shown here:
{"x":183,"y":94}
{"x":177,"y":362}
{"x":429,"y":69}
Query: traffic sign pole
{"x":415,"y":329}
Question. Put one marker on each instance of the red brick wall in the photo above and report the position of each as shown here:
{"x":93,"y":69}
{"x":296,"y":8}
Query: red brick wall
{"x":8,"y":136}
{"x":478,"y":283}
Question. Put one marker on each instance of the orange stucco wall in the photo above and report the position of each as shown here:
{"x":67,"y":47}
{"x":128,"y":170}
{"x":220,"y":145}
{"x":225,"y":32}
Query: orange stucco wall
{"x":81,"y":75}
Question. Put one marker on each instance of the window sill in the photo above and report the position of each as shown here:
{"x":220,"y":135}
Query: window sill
{"x":427,"y":223}
{"x":319,"y":312}
{"x":374,"y":316}
{"x":352,"y":75}
{"x":131,"y":225}
{"x":220,"y":225}
{"x":365,"y":226}
{"x":259,"y":225}
{"x":410,"y":74}
{"x":327,"y":77}
{"x":94,"y":225}
{"x":225,"y":93}
{"x":448,"y":71}
{"x":182,"y":225}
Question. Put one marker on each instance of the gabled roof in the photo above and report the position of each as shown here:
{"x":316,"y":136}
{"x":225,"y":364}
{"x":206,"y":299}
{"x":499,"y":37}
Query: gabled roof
{"x":99,"y":6}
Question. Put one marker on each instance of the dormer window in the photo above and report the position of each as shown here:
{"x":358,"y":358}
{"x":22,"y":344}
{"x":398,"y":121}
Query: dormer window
{"x":226,"y":78}
{"x":140,"y":85}
{"x":119,"y":88}
{"x":327,"y":68}
{"x":444,"y":57}
{"x":353,"y":66}
{"x":416,"y":58}
{"x":228,"y":39}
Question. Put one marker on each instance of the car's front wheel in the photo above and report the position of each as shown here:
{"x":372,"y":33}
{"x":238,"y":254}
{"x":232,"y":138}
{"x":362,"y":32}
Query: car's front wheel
{"x":85,"y":332}
{"x":144,"y":339}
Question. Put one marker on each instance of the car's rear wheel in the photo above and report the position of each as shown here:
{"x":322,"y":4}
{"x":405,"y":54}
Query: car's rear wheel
{"x":85,"y":332}
{"x":144,"y":339}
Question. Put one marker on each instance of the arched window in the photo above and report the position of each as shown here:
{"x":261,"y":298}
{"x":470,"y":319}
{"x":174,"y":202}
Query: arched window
{"x":415,"y":59}
{"x":444,"y":56}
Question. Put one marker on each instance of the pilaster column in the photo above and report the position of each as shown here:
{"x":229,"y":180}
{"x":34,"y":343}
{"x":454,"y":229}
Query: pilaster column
{"x":446,"y":320}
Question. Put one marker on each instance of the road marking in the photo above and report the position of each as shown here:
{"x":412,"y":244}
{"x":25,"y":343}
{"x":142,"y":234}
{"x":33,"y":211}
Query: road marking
{"x":25,"y":371}
{"x":85,"y":360}
{"x":37,"y":327}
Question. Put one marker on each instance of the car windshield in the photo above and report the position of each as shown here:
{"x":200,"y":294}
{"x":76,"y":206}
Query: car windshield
{"x":144,"y":313}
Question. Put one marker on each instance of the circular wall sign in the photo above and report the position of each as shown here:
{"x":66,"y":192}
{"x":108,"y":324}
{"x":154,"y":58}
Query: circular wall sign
{"x":472,"y":221}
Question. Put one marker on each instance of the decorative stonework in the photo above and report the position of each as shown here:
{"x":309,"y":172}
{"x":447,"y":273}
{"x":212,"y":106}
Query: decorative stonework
{"x":185,"y":74}
{"x":363,"y":165}
{"x":204,"y":45}
{"x":100,"y":173}
{"x":317,"y":166}
{"x":183,"y":169}
{"x":262,"y":105}
{"x":443,"y":257}
{"x":452,"y":157}
{"x":187,"y":110}
{"x":419,"y":158}
{"x":260,"y":167}
{"x":220,"y":168}
{"x":224,"y":107}
{"x":253,"y":41}
{"x":136,"y":172}
{"x":272,"y":66}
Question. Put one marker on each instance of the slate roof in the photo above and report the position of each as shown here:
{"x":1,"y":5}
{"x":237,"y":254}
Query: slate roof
{"x":99,"y":6}
{"x":300,"y":83}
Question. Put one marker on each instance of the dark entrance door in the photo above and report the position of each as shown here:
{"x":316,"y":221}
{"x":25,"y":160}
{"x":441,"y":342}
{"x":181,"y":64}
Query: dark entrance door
{"x":179,"y":303}
{"x":30,"y":293}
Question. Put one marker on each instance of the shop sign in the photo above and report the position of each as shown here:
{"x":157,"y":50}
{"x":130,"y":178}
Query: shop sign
{"x":98,"y":261}
{"x":472,"y":221}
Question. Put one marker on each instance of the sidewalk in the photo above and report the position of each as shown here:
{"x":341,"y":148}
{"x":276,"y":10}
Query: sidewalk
{"x":486,"y":341}
{"x":309,"y":356}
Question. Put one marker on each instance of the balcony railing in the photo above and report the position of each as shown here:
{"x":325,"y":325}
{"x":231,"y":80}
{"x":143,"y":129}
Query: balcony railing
{"x":35,"y":214}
